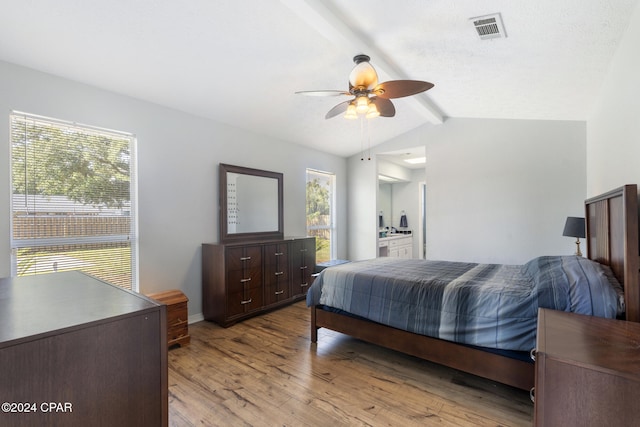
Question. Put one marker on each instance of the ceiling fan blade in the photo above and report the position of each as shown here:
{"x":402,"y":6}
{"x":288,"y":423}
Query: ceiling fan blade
{"x":400,"y":88}
{"x":323,"y":92}
{"x":384,"y":106}
{"x":338,"y":109}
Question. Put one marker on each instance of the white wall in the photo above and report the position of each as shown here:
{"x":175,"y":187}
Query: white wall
{"x":406,"y":197}
{"x":363,"y":212}
{"x":613,"y":130}
{"x":178,"y":157}
{"x":500,"y":190}
{"x":497,"y":190}
{"x":392,"y":170}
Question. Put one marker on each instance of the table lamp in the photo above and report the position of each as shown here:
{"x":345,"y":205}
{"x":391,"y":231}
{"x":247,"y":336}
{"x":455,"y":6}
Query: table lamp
{"x":574,"y":227}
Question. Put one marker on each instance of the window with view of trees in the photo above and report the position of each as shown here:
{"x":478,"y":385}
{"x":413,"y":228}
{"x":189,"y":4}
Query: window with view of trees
{"x":320,"y":224}
{"x":72,"y":205}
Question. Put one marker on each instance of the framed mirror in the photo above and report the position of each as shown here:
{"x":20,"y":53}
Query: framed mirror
{"x":250,"y":204}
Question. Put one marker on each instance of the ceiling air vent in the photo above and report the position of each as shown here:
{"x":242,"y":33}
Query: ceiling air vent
{"x":489,"y":26}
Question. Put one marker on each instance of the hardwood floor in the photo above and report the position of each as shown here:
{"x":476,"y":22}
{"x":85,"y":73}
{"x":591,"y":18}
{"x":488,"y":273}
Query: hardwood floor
{"x":265,"y":372}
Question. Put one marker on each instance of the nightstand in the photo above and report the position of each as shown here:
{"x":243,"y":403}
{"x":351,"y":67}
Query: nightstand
{"x":177,"y":316}
{"x":587,"y":371}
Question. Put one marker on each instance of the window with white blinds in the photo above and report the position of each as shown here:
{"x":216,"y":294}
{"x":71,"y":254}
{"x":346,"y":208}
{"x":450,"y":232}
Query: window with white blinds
{"x":73,"y":205}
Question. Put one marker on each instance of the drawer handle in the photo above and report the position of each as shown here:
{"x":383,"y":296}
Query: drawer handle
{"x":532,"y":354}
{"x":279,"y":292}
{"x":532,"y":394}
{"x":245,"y":258}
{"x":303,"y":250}
{"x":248,"y":301}
{"x":248,"y":279}
{"x":279,"y":253}
{"x":304,"y":285}
{"x":303,"y":268}
{"x":278,"y":273}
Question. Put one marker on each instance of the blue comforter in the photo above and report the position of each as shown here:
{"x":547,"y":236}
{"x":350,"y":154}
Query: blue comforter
{"x":487,"y":305}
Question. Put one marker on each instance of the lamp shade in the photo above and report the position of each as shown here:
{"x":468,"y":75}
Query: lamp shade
{"x":574,"y":227}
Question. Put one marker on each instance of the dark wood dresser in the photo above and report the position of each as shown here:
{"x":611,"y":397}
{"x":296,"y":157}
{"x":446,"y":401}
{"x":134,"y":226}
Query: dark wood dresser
{"x":76,"y":351}
{"x":587,"y":371}
{"x":240,"y":280}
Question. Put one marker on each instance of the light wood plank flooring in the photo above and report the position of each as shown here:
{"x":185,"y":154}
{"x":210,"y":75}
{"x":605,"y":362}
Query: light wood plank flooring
{"x":265,"y":372}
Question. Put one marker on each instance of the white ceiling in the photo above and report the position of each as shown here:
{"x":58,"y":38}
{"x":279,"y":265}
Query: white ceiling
{"x":240,"y":61}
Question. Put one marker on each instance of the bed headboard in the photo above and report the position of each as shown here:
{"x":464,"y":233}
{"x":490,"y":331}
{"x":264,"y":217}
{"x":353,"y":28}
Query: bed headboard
{"x":612,"y":239}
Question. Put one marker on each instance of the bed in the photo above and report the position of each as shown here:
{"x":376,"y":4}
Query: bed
{"x":490,"y":351}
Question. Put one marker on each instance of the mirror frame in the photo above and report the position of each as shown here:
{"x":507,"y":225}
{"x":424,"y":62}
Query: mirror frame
{"x":225,"y":236}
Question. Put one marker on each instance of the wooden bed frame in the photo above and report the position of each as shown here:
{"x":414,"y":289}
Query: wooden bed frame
{"x":612,"y":239}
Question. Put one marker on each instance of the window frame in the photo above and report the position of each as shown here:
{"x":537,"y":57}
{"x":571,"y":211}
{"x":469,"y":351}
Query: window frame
{"x":331,"y":227}
{"x":37,"y":242}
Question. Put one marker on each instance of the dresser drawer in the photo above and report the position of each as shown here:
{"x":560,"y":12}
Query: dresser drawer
{"x":177,"y":315}
{"x":242,"y":258}
{"x":177,"y":332}
{"x":239,"y":303}
{"x":239,"y":280}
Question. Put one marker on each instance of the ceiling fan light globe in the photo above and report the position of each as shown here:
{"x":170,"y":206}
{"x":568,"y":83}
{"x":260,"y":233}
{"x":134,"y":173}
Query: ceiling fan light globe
{"x":372,"y":111}
{"x":362,"y":104}
{"x":351,"y":112}
{"x":363,"y":76}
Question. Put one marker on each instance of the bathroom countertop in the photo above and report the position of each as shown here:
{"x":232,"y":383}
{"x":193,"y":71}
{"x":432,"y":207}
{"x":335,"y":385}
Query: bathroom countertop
{"x":394,"y":236}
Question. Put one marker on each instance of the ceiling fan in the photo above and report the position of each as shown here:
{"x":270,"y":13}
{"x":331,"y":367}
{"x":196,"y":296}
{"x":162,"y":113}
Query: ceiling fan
{"x":371,"y":99}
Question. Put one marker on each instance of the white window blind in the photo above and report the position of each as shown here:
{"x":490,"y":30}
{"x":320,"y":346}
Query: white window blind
{"x":73,"y":200}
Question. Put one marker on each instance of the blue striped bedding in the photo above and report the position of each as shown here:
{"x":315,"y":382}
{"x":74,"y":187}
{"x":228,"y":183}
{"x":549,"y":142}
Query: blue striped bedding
{"x":486,"y":305}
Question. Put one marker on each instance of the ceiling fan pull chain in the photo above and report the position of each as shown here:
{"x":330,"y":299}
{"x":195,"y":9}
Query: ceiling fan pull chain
{"x":362,"y":137}
{"x":368,"y":139}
